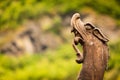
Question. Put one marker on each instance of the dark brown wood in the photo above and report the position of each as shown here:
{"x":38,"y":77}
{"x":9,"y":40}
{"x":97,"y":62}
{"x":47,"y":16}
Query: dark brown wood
{"x":95,"y":50}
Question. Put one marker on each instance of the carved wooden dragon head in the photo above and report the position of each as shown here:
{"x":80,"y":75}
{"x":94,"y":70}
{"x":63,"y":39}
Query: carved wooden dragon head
{"x":82,"y":31}
{"x":95,"y":50}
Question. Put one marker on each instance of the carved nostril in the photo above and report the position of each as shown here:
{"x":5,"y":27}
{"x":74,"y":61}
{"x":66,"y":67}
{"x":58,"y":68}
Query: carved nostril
{"x":76,"y":40}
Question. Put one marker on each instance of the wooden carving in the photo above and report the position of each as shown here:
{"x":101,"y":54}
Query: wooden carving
{"x":95,"y":50}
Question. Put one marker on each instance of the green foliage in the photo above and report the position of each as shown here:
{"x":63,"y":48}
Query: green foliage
{"x":115,"y":47}
{"x":54,"y":65}
{"x":113,"y":72}
{"x":58,"y":64}
{"x":15,"y":12}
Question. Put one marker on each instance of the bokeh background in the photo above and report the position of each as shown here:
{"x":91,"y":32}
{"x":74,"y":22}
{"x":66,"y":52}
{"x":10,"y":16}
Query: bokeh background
{"x":35,"y":38}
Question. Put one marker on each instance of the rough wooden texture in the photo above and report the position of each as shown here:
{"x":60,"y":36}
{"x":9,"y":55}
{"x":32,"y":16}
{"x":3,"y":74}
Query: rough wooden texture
{"x":95,"y":50}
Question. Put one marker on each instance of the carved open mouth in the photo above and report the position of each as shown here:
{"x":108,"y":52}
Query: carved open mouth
{"x":79,"y":29}
{"x":78,"y":37}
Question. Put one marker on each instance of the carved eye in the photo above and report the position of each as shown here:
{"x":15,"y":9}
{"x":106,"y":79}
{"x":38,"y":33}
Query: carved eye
{"x":88,"y":27}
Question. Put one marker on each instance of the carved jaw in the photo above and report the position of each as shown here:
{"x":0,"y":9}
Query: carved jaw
{"x":80,"y":35}
{"x":78,"y":54}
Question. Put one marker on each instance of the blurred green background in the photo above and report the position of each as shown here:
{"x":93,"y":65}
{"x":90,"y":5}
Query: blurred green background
{"x":45,"y":24}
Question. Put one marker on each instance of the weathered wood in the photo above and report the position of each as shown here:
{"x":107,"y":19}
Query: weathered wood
{"x":95,"y":50}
